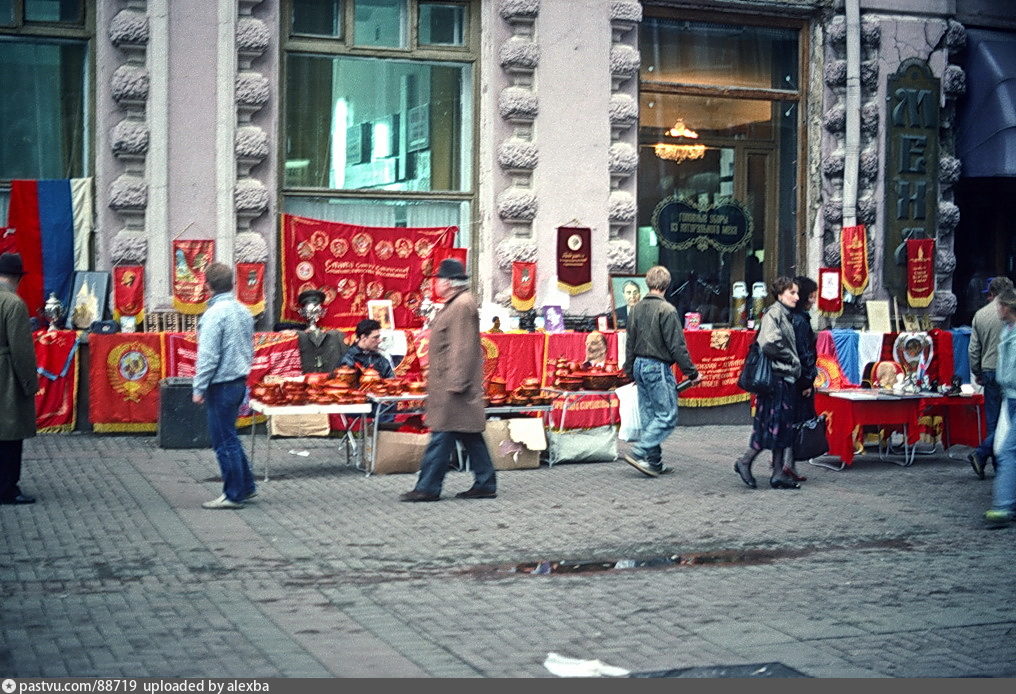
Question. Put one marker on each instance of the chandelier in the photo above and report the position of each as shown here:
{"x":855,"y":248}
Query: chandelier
{"x":680,"y":153}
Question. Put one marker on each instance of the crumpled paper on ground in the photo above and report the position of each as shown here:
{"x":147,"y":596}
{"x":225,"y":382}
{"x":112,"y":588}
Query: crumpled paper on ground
{"x":563,"y":666}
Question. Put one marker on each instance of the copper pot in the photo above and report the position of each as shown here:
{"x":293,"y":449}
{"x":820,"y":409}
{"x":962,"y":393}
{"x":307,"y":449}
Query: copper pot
{"x":347,"y":375}
{"x":497,"y":387}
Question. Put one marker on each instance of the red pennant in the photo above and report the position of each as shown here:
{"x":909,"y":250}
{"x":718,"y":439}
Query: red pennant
{"x":854,"y":259}
{"x":830,"y":291}
{"x":523,"y":285}
{"x":250,"y":286}
{"x":920,"y":272}
{"x":129,"y":291}
{"x":190,"y":260}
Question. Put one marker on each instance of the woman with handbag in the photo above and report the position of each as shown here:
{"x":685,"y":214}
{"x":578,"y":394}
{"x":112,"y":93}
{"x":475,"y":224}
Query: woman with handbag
{"x":804,"y":337}
{"x":772,"y":426}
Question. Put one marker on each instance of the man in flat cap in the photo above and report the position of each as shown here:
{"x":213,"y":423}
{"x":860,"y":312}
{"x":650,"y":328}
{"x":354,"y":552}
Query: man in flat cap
{"x":455,"y":399}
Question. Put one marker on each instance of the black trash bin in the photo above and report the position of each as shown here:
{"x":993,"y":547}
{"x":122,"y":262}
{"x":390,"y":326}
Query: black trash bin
{"x":182,"y":424}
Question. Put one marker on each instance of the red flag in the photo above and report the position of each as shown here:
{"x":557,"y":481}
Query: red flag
{"x":129,"y":291}
{"x":123,"y":378}
{"x":523,"y":285}
{"x":920,"y":272}
{"x":854,"y":259}
{"x":250,"y":286}
{"x":190,"y":260}
{"x":56,"y":353}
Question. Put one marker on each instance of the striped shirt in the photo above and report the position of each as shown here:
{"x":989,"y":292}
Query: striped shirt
{"x":225,"y":342}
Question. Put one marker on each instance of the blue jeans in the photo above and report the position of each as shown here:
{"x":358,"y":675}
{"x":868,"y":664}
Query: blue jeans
{"x":992,"y":405}
{"x":1004,"y":490}
{"x":439,"y":450}
{"x":223,"y":402}
{"x":657,"y":407}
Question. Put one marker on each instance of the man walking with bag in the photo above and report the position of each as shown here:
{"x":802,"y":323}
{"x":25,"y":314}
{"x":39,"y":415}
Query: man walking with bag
{"x":655,"y":342}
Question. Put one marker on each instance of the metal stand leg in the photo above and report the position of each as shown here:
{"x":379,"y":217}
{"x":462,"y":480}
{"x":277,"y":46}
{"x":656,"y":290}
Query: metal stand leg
{"x":268,"y":444}
{"x":827,"y":466}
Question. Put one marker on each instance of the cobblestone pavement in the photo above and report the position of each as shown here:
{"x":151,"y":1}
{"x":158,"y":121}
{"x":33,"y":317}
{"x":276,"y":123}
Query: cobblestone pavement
{"x":877,"y":571}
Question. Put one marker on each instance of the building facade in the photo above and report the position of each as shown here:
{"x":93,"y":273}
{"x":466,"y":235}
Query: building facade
{"x":730,"y":140}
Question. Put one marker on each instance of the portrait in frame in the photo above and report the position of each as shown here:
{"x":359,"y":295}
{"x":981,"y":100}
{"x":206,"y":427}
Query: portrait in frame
{"x":625,"y":292}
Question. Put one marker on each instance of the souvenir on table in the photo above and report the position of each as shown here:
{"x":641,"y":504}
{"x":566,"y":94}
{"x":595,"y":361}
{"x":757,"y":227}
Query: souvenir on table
{"x":913,"y":351}
{"x":553,"y":319}
{"x":89,"y":299}
{"x":383,"y":312}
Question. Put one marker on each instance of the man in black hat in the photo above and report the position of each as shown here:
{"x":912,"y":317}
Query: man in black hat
{"x":19,"y":380}
{"x":455,"y":400}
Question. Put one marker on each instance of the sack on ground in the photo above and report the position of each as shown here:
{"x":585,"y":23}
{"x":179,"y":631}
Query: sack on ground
{"x":596,"y":445}
{"x":399,"y":451}
{"x":810,"y":439}
{"x":299,"y":425}
{"x":628,"y":409}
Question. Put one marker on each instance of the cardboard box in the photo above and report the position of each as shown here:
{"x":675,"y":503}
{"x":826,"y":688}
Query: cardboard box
{"x":515,"y":446}
{"x":299,"y":425}
{"x":399,"y":451}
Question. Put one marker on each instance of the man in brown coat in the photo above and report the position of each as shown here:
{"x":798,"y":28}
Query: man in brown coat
{"x":455,"y":400}
{"x":19,"y":380}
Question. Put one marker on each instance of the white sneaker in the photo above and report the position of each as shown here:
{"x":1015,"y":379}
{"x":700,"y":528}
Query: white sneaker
{"x":641,"y":465}
{"x":221,"y":502}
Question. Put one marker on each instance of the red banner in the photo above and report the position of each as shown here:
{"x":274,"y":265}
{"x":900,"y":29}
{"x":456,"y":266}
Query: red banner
{"x":129,"y":291}
{"x":8,"y":244}
{"x":459,"y":254}
{"x":574,"y":260}
{"x":523,"y":285}
{"x":854,"y":259}
{"x":250,"y":286}
{"x":719,"y":356}
{"x":589,"y":410}
{"x":123,"y":381}
{"x":190,"y":261}
{"x":920,"y":272}
{"x":352,"y":264}
{"x":830,"y":291}
{"x":56,"y":353}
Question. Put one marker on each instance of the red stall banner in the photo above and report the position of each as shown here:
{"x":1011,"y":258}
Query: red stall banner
{"x":250,"y":286}
{"x":190,"y":261}
{"x":56,"y":353}
{"x":854,"y":259}
{"x":129,"y":292}
{"x":920,"y":272}
{"x":574,"y":260}
{"x":719,"y":357}
{"x":459,"y":254}
{"x":830,"y":292}
{"x":123,"y":381}
{"x":523,"y":285}
{"x":353,"y":264}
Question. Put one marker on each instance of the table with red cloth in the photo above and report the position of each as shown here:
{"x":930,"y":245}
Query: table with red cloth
{"x":847,"y":411}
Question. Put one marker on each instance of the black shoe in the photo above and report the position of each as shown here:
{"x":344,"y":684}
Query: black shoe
{"x":19,"y":499}
{"x":745,"y":475}
{"x":783,"y":484}
{"x":474,"y":493}
{"x":978,"y":462}
{"x":419,"y":496}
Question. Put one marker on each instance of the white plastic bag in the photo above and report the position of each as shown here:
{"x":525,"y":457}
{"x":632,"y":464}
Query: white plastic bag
{"x":628,"y":407}
{"x":1002,"y":428}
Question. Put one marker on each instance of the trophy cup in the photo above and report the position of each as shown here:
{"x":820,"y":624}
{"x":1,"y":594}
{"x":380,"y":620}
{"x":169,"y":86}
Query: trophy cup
{"x":53,"y":310}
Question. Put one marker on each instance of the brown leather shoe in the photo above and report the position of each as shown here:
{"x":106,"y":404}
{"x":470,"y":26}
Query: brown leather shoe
{"x":419,"y":496}
{"x":474,"y":493}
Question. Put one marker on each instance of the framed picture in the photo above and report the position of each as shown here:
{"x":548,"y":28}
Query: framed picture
{"x":383,"y":312}
{"x":553,"y":319}
{"x":625,"y":292}
{"x":89,"y":299}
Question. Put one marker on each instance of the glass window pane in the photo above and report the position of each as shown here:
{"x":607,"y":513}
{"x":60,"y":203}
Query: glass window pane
{"x":381,"y":23}
{"x":318,"y":17}
{"x":718,"y":54}
{"x":53,"y":10}
{"x":703,"y":116}
{"x":6,"y":12}
{"x":442,"y":24}
{"x":368,"y":123}
{"x":43,"y":109}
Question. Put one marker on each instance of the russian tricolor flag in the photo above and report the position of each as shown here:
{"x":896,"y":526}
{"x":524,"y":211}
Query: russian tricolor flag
{"x":52,"y":222}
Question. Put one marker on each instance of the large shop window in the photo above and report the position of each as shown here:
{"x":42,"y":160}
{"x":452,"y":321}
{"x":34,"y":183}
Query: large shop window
{"x":718,"y":136}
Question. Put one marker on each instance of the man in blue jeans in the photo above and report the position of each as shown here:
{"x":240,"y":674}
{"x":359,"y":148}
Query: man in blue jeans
{"x":1003,"y":505}
{"x":984,"y":336}
{"x":225,"y":354}
{"x":655,"y":342}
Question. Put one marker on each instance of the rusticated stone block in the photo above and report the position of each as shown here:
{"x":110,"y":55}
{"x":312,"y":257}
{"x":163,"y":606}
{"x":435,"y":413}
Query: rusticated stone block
{"x":867,"y":165}
{"x":832,"y":165}
{"x":867,"y":209}
{"x":831,"y":254}
{"x":832,"y":211}
{"x":623,"y":159}
{"x":835,"y":73}
{"x":516,"y":153}
{"x":130,"y":137}
{"x":129,"y":249}
{"x":252,"y":35}
{"x":836,"y":30}
{"x":949,"y":169}
{"x":944,"y":303}
{"x":515,"y":250}
{"x":519,"y":9}
{"x":128,"y":193}
{"x":250,"y":196}
{"x":517,"y":203}
{"x":954,"y":81}
{"x":955,"y":36}
{"x":620,"y":257}
{"x":251,"y":142}
{"x":624,"y":61}
{"x":520,"y":53}
{"x":518,"y":103}
{"x":871,"y":31}
{"x":621,"y":207}
{"x":129,"y":28}
{"x":622,"y":11}
{"x":129,"y":83}
{"x":945,"y":261}
{"x":869,"y":118}
{"x":252,"y":89}
{"x":624,"y":110}
{"x":869,"y":75}
{"x":948,"y":216}
{"x":250,"y":247}
{"x":835,"y":119}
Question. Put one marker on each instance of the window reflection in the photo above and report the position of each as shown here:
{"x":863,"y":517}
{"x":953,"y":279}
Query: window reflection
{"x":317,"y":17}
{"x":380,"y":23}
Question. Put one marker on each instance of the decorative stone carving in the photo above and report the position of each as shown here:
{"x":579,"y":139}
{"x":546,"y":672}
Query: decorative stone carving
{"x":622,"y":11}
{"x":252,"y":89}
{"x":129,"y":84}
{"x":832,"y":211}
{"x":130,"y":138}
{"x":250,"y":247}
{"x":831,"y":254}
{"x":835,"y":119}
{"x":954,"y":81}
{"x":128,"y":193}
{"x":519,"y":9}
{"x":129,"y":249}
{"x":945,"y":261}
{"x":620,"y":257}
{"x":515,"y":250}
{"x":519,"y":53}
{"x":869,"y":118}
{"x":516,"y":153}
{"x":867,"y":164}
{"x":624,"y":110}
{"x":867,"y":209}
{"x":621,"y":207}
{"x":869,"y":75}
{"x":250,"y":196}
{"x":517,"y":204}
{"x":955,"y":36}
{"x":948,"y":216}
{"x":252,"y":36}
{"x":835,"y":73}
{"x":623,"y":159}
{"x":836,"y":30}
{"x":251,"y":143}
{"x":624,"y":61}
{"x":944,"y":303}
{"x":518,"y":103}
{"x":949,"y":169}
{"x":834,"y":163}
{"x":129,"y":28}
{"x":503,"y":297}
{"x":871,"y":31}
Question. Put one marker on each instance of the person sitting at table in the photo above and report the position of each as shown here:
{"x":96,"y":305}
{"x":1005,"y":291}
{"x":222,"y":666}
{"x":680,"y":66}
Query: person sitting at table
{"x":364,"y":352}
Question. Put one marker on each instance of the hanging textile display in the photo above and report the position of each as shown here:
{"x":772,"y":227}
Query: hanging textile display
{"x":830,"y":292}
{"x":123,"y":381}
{"x":523,"y":286}
{"x":250,"y":286}
{"x":190,"y":261}
{"x":574,"y":260}
{"x":459,"y":254}
{"x":920,"y":272}
{"x":854,"y":259}
{"x":129,"y":292}
{"x":56,"y":353}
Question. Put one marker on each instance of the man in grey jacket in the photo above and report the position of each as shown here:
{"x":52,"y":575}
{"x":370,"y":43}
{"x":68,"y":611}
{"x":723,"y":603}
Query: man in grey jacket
{"x":655,"y":342}
{"x":983,"y":352}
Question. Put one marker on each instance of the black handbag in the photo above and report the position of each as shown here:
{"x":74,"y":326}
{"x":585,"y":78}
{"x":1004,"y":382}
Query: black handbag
{"x":810,"y":438}
{"x":757,"y":373}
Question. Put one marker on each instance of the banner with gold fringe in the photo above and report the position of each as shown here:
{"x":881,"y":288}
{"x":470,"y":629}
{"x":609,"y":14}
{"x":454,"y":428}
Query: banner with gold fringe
{"x":250,"y":286}
{"x":123,"y":381}
{"x":719,"y":357}
{"x":854,"y":259}
{"x":574,"y":259}
{"x":920,"y":272}
{"x":129,"y":292}
{"x":190,"y":260}
{"x":523,"y":285}
{"x":56,"y":354}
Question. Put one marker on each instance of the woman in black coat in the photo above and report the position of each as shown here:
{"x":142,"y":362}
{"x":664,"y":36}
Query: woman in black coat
{"x":804,"y":401}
